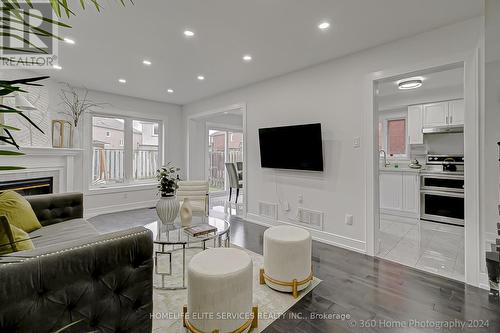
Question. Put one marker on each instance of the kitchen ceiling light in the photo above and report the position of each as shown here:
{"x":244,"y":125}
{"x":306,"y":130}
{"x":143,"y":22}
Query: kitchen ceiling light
{"x":57,"y":67}
{"x":170,"y":91}
{"x":146,"y":62}
{"x":408,"y":84}
{"x":324,"y":25}
{"x":188,"y":33}
{"x":122,"y":80}
{"x":201,"y":77}
{"x":247,"y":58}
{"x":69,"y":40}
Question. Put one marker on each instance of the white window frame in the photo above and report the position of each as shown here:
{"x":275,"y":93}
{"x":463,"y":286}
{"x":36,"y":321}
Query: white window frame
{"x":128,"y":182}
{"x":385,"y":118}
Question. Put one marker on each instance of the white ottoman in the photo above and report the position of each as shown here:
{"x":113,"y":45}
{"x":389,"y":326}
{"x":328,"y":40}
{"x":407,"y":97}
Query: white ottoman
{"x":287,"y":259}
{"x":220,"y":292}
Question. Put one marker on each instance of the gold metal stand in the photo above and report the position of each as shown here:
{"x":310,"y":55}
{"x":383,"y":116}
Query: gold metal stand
{"x":250,"y":323}
{"x":294,"y":284}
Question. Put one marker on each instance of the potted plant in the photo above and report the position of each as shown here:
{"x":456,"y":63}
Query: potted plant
{"x":168,"y":206}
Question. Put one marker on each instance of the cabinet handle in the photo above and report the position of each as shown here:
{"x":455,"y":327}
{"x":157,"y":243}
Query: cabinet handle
{"x":447,"y":120}
{"x":451,"y":119}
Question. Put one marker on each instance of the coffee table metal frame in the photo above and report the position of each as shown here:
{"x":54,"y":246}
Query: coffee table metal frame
{"x":219,"y":238}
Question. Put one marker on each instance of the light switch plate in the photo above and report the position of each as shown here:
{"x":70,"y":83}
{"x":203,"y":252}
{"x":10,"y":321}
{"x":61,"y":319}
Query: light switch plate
{"x":356,"y":142}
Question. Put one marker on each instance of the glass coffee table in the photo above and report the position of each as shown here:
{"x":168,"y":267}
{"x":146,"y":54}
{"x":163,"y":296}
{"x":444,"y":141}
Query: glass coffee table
{"x":173,"y":246}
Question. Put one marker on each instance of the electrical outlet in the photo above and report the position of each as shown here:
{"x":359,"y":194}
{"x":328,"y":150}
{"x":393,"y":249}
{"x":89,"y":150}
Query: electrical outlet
{"x":348,"y":219}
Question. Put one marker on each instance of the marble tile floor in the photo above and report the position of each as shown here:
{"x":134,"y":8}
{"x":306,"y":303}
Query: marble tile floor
{"x":432,"y":247}
{"x":367,"y":289}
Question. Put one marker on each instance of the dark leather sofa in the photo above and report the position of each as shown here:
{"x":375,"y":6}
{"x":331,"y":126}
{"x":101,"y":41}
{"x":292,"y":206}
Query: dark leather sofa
{"x":97,"y":283}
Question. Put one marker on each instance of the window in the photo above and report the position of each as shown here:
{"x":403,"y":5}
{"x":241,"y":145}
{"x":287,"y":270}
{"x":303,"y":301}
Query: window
{"x":396,"y":137}
{"x":392,"y":135}
{"x":124,"y":150}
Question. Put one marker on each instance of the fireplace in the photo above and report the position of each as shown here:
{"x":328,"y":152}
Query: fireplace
{"x":31,"y":186}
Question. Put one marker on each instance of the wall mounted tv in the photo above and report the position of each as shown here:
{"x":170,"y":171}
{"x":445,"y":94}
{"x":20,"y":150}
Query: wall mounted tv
{"x":297,"y":147}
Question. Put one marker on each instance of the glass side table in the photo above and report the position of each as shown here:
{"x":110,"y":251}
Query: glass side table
{"x":173,"y":242}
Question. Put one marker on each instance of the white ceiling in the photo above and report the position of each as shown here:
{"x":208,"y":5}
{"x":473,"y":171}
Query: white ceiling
{"x":281,"y":35}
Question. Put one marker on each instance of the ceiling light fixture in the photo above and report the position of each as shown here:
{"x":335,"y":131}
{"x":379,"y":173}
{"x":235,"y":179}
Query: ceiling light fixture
{"x":170,"y":91}
{"x":122,"y":80}
{"x":69,"y":40}
{"x":411,"y":83}
{"x":324,"y":25}
{"x":57,"y":67}
{"x":201,"y":77}
{"x":247,"y":58}
{"x":188,"y":33}
{"x":147,"y":62}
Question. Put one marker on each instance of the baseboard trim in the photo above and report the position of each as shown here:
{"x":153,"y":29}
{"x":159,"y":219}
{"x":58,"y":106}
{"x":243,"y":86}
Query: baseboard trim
{"x":320,"y":236}
{"x":92,"y":212}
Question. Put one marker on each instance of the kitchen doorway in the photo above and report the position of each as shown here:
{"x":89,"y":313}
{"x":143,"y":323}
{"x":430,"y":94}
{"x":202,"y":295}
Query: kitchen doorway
{"x":420,"y":171}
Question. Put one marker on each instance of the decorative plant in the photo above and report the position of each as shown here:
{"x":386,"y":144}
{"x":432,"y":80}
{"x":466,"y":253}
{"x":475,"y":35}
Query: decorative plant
{"x":76,"y":105}
{"x":167,"y":177}
{"x":8,"y":87}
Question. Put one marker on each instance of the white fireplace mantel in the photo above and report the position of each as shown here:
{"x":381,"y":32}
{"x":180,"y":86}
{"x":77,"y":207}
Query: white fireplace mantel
{"x":43,"y":160}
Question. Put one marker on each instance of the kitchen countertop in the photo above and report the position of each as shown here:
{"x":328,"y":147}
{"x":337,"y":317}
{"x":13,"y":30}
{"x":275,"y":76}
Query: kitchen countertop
{"x":391,"y":168}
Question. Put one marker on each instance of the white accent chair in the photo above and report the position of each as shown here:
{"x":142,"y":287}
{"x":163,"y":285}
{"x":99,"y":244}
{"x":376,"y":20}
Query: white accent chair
{"x":197,"y":192}
{"x":220,"y":292}
{"x":287,"y":259}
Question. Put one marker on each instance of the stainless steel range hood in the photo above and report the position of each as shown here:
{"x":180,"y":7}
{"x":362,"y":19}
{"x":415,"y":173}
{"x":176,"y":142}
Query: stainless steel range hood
{"x":443,"y":129}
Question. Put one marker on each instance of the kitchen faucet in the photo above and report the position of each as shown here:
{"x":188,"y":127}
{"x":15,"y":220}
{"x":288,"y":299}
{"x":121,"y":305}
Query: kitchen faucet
{"x":386,"y":163}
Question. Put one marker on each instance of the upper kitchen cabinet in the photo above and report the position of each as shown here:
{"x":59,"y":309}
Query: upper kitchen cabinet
{"x":435,"y":114}
{"x":444,"y":113}
{"x":456,"y":112}
{"x":415,"y":134}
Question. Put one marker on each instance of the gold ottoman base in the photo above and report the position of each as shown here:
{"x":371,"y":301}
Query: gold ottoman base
{"x":294,"y":284}
{"x":250,"y":323}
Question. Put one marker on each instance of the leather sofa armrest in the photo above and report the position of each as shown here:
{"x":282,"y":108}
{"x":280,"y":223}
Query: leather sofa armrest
{"x":104,"y":284}
{"x":57,"y":207}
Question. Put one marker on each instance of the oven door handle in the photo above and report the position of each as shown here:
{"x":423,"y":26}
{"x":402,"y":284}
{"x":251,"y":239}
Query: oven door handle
{"x":443,"y":193}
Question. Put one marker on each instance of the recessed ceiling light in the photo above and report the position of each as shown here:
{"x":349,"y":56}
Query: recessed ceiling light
{"x":188,"y":33}
{"x":247,"y":58}
{"x":170,"y":91}
{"x":69,"y":40}
{"x":57,"y":67}
{"x":324,"y":25}
{"x":122,"y":80}
{"x":411,"y":83}
{"x":201,"y":77}
{"x":146,"y":62}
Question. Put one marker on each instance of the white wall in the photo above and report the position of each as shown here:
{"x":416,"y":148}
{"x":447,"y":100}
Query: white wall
{"x":329,"y":93}
{"x":102,"y":201}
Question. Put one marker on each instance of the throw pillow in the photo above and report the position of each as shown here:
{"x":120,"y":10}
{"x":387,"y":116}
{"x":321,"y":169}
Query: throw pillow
{"x":18,"y":211}
{"x":22,"y":240}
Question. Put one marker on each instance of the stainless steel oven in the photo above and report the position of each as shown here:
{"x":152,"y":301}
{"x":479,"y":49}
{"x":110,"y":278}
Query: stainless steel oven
{"x":442,"y":197}
{"x":442,"y":189}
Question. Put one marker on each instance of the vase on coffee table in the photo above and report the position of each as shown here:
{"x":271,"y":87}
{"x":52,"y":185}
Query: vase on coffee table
{"x":167,"y":209}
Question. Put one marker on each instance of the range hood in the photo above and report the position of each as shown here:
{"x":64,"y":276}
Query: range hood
{"x":443,"y":129}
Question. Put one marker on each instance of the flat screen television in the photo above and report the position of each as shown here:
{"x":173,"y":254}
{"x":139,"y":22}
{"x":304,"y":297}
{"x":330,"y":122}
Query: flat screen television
{"x":297,"y":147}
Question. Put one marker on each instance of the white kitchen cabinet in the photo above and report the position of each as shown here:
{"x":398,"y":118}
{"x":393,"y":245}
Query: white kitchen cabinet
{"x":400,"y":193}
{"x":415,"y":134}
{"x":411,"y":193}
{"x":456,"y":112}
{"x":391,"y":191}
{"x":435,"y":114}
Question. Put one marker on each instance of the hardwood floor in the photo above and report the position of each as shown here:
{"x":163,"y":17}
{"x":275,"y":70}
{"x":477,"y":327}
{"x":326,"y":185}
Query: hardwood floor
{"x":371,"y":295}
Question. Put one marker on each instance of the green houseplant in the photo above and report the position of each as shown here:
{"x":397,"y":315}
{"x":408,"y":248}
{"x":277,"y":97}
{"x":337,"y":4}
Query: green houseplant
{"x":168,"y":206}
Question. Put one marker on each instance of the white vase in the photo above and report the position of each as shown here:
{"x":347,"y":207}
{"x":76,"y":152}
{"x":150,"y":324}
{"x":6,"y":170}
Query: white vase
{"x":75,"y":138}
{"x":186,"y":213}
{"x":167,"y":209}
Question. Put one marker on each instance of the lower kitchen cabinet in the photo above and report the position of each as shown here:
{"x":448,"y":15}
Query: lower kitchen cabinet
{"x":400,"y":193}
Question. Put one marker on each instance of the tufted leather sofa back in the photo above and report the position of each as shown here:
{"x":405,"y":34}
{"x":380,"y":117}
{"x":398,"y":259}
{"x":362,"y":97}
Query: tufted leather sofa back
{"x":103,"y":283}
{"x":57,"y":207}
